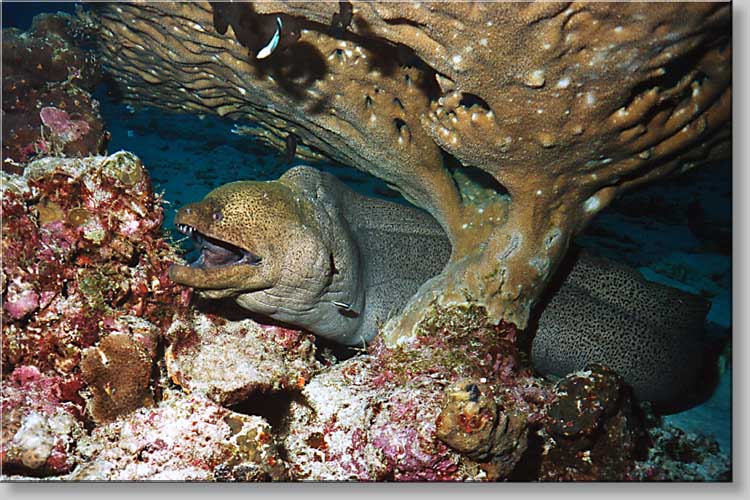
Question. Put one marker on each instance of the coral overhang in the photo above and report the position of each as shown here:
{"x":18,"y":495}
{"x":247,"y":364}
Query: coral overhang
{"x":555,"y":108}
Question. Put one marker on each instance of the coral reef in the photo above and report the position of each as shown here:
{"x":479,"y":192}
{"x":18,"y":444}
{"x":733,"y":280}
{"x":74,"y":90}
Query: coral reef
{"x":85,"y":296}
{"x":118,"y":373}
{"x":456,"y":402}
{"x":41,"y":422}
{"x":513,"y":124}
{"x":678,"y":456}
{"x":263,"y":358}
{"x":204,"y":442}
{"x":593,"y":431}
{"x":47,"y":80}
{"x":402,"y":413}
{"x":109,"y":372}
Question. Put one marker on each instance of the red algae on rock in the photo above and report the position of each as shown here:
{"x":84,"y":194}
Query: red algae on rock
{"x":392,"y":415}
{"x":40,"y":422}
{"x":70,"y":280}
{"x":67,"y":281}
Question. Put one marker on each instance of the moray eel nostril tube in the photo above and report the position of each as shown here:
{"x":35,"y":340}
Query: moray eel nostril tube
{"x":307,"y":251}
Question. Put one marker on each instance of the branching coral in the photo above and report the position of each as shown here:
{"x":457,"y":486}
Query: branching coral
{"x":513,"y":124}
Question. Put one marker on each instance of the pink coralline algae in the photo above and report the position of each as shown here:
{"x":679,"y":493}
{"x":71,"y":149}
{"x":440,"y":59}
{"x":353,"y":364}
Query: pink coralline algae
{"x":20,"y":299}
{"x":378,"y":416}
{"x":47,"y":81}
{"x":40,"y":422}
{"x":183,"y":438}
{"x":61,"y":126}
{"x":72,"y":280}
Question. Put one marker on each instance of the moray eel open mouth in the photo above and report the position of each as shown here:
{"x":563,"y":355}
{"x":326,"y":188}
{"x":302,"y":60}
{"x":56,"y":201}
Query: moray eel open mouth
{"x":216,"y":253}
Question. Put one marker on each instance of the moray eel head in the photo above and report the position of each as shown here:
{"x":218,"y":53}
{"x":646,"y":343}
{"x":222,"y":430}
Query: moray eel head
{"x":243,"y":232}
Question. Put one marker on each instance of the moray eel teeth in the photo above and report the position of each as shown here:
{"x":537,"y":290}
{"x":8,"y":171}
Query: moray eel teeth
{"x":214,"y":252}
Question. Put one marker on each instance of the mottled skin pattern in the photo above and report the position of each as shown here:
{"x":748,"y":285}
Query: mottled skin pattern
{"x":322,"y":244}
{"x":605,"y":312}
{"x":322,"y":247}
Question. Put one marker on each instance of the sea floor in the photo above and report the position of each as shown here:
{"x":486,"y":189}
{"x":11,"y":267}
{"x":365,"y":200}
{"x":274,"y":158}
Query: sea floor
{"x":190,"y":155}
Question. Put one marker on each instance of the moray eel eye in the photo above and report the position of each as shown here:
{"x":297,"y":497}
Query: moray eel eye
{"x":216,"y":253}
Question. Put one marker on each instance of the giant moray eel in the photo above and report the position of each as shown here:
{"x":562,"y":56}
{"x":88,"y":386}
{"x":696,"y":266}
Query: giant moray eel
{"x":600,"y":311}
{"x":307,"y":251}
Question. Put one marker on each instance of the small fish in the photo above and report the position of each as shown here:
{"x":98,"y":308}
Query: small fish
{"x":345,"y":309}
{"x":271,"y":45}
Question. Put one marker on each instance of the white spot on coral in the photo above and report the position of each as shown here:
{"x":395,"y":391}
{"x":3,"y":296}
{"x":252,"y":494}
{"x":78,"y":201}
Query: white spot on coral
{"x":457,"y":59}
{"x":540,"y":111}
{"x":590,"y":98}
{"x":242,"y":91}
{"x":592,"y":204}
{"x":535,"y":78}
{"x":538,"y":192}
{"x":618,"y":29}
{"x":483,"y":42}
{"x":563,"y":83}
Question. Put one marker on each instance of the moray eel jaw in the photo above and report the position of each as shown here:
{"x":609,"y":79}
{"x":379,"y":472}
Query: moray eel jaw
{"x":216,"y":253}
{"x":223,"y":267}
